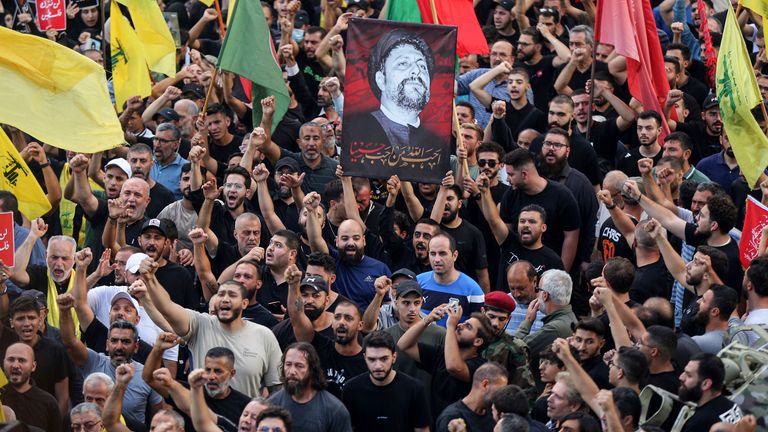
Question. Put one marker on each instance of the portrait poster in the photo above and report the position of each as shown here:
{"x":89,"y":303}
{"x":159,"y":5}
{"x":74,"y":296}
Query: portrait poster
{"x":7,"y":248}
{"x":51,"y":15}
{"x":398,"y":94}
{"x":172,"y":20}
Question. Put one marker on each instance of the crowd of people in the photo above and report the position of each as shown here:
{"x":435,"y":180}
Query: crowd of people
{"x":212,"y":274}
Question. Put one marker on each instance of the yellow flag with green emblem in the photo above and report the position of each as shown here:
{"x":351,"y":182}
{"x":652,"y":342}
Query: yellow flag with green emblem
{"x":129,"y":60}
{"x":56,"y":95}
{"x":154,"y":34}
{"x":738,"y":93}
{"x":18,"y":179}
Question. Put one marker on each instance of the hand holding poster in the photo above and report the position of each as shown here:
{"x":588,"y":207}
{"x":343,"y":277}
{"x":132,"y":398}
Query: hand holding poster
{"x":397,"y":104}
{"x":51,"y":15}
{"x":755,"y":219}
{"x":7,"y":248}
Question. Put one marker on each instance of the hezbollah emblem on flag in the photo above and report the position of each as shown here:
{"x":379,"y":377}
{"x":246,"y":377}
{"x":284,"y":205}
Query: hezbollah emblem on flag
{"x":117,"y":53}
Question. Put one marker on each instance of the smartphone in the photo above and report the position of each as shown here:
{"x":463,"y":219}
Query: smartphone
{"x":453,"y":303}
{"x":275,"y":307}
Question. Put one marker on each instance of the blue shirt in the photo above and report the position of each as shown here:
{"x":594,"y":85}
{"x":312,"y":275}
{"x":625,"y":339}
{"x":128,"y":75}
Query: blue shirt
{"x":518,"y":315}
{"x":355,"y":282}
{"x":497,"y":90}
{"x":169,"y":175}
{"x":717,"y":170}
{"x":471,"y":296}
{"x":37,"y":257}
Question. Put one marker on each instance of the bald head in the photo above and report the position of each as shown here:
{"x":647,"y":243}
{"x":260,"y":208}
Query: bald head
{"x":614,"y":181}
{"x":18,"y":365}
{"x":135,"y":196}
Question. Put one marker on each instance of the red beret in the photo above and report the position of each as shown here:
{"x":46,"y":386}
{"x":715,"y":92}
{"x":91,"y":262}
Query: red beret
{"x":500,"y":300}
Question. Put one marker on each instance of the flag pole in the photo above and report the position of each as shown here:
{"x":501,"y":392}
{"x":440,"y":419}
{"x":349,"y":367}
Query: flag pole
{"x":210,"y":87}
{"x":222,"y":29}
{"x":592,"y":75}
{"x":456,"y":125}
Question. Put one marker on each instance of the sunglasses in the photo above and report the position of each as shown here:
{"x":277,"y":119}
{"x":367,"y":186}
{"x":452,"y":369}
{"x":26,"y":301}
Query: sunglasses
{"x":487,"y":162}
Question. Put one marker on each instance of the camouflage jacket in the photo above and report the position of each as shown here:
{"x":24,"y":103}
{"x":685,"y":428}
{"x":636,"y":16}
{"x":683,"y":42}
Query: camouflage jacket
{"x":512,"y":353}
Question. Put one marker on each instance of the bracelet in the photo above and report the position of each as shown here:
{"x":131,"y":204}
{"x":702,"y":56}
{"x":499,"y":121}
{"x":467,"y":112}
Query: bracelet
{"x":478,"y":196}
{"x":610,"y":207}
{"x":45,"y":165}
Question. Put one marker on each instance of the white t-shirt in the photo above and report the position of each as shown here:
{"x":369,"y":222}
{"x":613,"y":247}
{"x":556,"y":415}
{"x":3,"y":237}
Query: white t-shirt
{"x":100,"y":301}
{"x":257,"y":353}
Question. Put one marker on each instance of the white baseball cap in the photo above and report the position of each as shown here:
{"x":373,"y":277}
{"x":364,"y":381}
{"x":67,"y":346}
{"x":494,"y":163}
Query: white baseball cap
{"x":132,"y":265}
{"x":122,"y":164}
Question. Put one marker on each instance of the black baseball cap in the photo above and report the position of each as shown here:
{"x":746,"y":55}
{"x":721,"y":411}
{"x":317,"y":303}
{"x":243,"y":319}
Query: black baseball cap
{"x":362,"y":4}
{"x":301,"y":19}
{"x":315,"y":282}
{"x":287,"y":162}
{"x":711,"y":101}
{"x":169,"y":114}
{"x":403,"y":272}
{"x":506,"y":4}
{"x":408,"y":286}
{"x":196,"y":89}
{"x":157,"y":224}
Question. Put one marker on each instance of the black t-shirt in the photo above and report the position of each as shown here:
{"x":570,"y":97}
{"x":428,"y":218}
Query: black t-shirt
{"x":339,"y":368}
{"x":178,"y":283}
{"x":34,"y":407}
{"x":473,"y":420}
{"x":271,"y":295}
{"x":512,"y":250}
{"x":474,"y":214}
{"x":222,"y":153}
{"x":628,"y":164}
{"x":611,"y":243}
{"x":399,"y":406}
{"x":598,"y":371}
{"x":542,"y":76}
{"x":609,"y":342}
{"x":284,"y":333}
{"x":159,"y":198}
{"x":229,"y":408}
{"x":226,"y":255}
{"x":38,"y":280}
{"x":95,"y":338}
{"x":445,"y":388}
{"x":735,"y":275}
{"x":471,"y":247}
{"x":697,"y":89}
{"x":313,"y":72}
{"x":651,"y":280}
{"x":669,"y":381}
{"x":528,"y":117}
{"x":260,"y":315}
{"x":559,"y":203}
{"x":579,"y":79}
{"x":605,"y":136}
{"x":719,"y":409}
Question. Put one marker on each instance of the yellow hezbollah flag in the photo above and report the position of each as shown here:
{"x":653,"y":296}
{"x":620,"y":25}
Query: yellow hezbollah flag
{"x":55,"y":94}
{"x":759,"y":7}
{"x":129,"y":61}
{"x":738,"y":93}
{"x":17,"y":178}
{"x":154,"y":34}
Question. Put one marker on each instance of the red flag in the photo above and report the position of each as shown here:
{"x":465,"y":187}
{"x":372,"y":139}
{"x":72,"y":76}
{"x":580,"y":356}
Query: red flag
{"x":646,"y":77}
{"x":460,"y":13}
{"x":754,"y":221}
{"x":7,"y":247}
{"x":709,"y":49}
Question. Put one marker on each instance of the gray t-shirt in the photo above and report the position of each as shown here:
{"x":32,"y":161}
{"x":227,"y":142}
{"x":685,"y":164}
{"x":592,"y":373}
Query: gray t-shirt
{"x":710,"y":342}
{"x":324,"y":413}
{"x":137,"y":395}
{"x":185,"y":221}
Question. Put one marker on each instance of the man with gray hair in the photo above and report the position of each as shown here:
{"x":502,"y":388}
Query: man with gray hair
{"x":188,"y":111}
{"x":577,"y":71}
{"x":86,"y":416}
{"x":400,"y":71}
{"x":554,"y":297}
{"x":168,"y":162}
{"x":96,"y":389}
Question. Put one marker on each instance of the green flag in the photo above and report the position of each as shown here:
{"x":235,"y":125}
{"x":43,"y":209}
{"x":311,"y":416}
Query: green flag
{"x":247,"y":51}
{"x":403,"y":11}
{"x":738,"y":93}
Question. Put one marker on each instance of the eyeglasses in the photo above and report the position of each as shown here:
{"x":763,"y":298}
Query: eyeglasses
{"x":554,"y":145}
{"x":85,"y":426}
{"x":547,"y":10}
{"x":489,"y":162}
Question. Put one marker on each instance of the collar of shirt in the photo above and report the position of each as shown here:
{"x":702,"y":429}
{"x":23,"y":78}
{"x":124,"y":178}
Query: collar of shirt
{"x":393,"y":117}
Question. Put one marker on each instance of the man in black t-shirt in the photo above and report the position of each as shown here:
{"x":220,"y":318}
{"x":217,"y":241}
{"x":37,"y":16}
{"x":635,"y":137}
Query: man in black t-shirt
{"x":702,"y":383}
{"x":541,"y":69}
{"x":463,"y":344}
{"x":578,"y":70}
{"x":140,"y":159}
{"x":175,"y":279}
{"x":475,"y":408}
{"x":704,"y":133}
{"x":589,"y":339}
{"x":221,"y":143}
{"x":562,"y":212}
{"x":470,"y":244}
{"x":384,"y":399}
{"x":341,"y":357}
